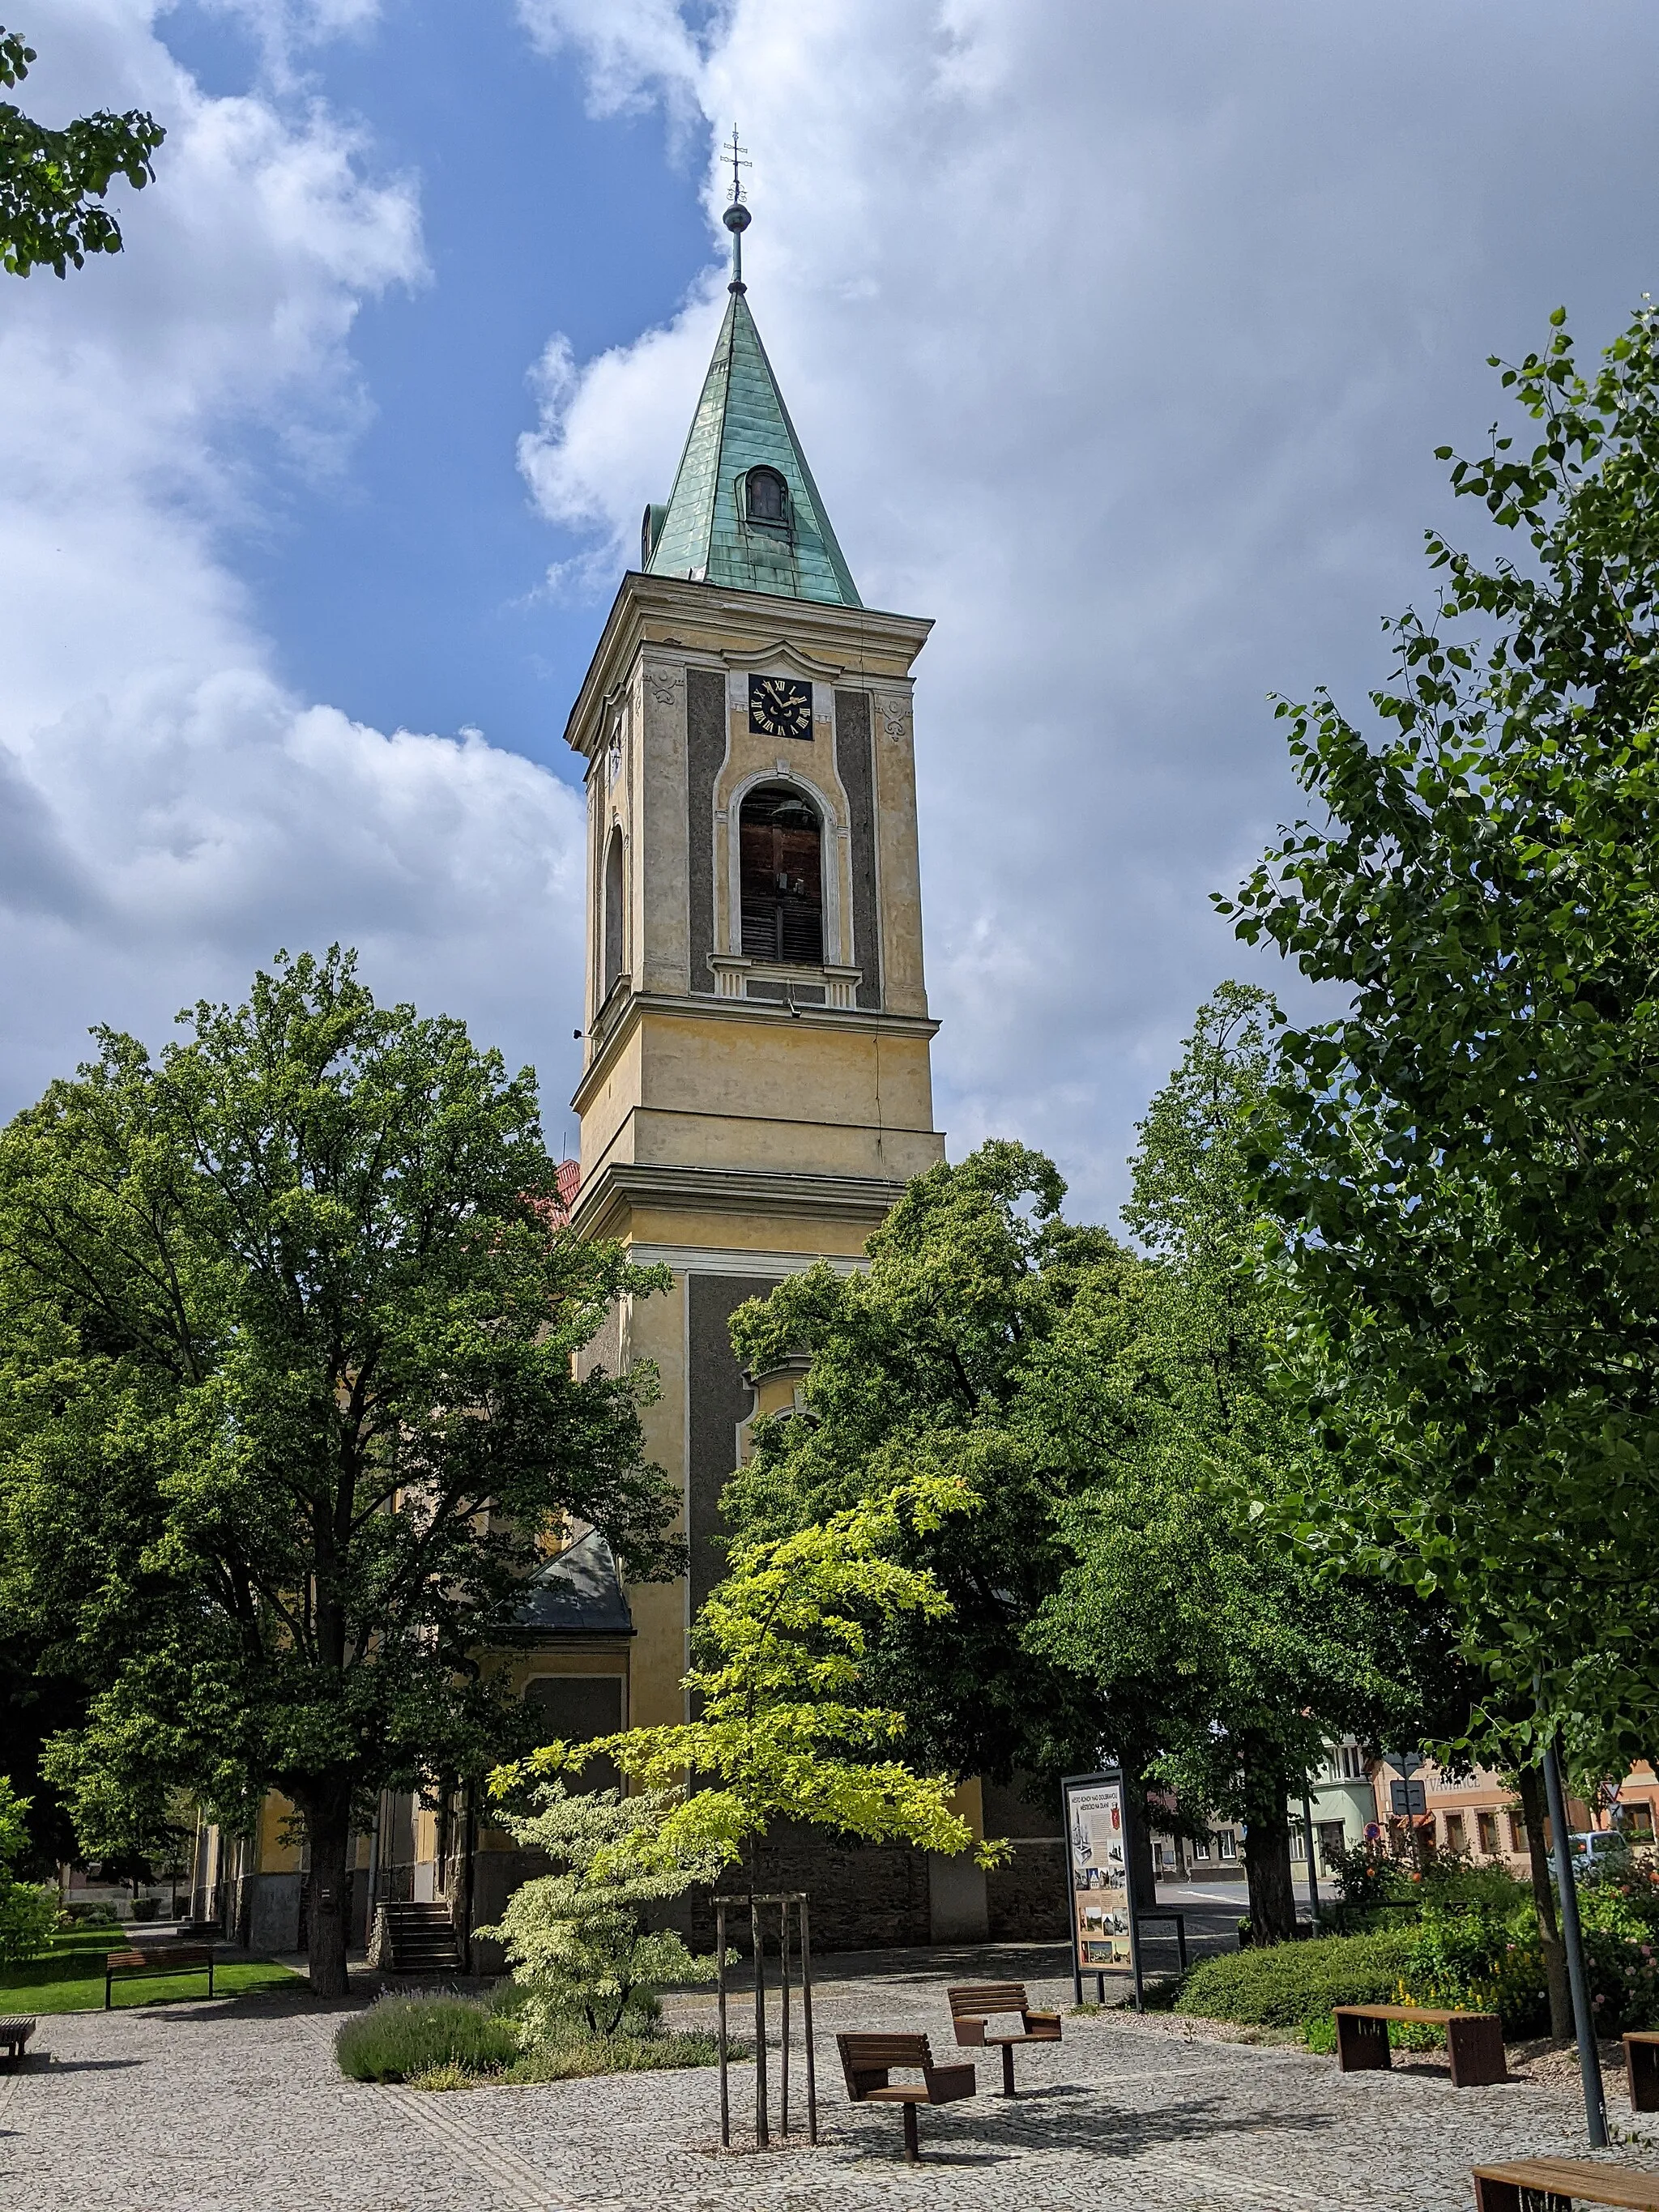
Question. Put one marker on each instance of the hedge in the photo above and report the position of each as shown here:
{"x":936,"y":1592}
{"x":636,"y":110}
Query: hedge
{"x":1292,"y":1985}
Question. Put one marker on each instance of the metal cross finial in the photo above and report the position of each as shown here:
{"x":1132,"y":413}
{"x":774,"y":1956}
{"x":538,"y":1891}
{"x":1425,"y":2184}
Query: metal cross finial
{"x":739,"y":160}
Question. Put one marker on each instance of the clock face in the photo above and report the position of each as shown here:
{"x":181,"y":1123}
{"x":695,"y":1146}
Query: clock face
{"x":780,"y":707}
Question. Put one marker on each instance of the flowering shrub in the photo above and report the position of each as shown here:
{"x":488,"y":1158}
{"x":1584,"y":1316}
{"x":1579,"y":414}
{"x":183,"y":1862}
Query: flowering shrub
{"x":1367,"y":1875}
{"x":1480,"y":1961}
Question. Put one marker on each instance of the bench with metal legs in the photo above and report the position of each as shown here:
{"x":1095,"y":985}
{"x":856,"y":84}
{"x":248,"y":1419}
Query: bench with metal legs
{"x":867,"y":2061}
{"x":974,"y":2005}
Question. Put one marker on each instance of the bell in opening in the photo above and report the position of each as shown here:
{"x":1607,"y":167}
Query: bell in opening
{"x":780,"y":861}
{"x":768,"y":497}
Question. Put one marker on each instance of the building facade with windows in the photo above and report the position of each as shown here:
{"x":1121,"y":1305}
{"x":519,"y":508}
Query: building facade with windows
{"x":1479,"y":1811}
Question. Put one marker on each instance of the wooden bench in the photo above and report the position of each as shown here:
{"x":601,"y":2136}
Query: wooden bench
{"x":164,"y":1959}
{"x":1550,"y":2184}
{"x":1474,"y":2040}
{"x":974,"y":2003}
{"x":867,"y":2060}
{"x":1642,"y":2071}
{"x":15,"y":2033}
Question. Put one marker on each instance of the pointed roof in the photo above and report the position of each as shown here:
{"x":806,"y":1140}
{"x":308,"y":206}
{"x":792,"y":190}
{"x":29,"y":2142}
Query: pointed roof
{"x":742,"y":423}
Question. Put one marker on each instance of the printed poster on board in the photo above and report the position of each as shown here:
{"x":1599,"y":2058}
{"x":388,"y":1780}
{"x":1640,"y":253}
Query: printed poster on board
{"x":1098,"y":1844}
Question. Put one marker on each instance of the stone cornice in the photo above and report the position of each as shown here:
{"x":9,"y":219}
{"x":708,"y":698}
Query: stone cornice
{"x":617,"y":1189}
{"x":704,"y":1007}
{"x":664,"y":613}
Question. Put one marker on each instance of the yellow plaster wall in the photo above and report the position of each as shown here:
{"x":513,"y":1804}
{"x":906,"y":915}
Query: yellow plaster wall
{"x":657,"y":1656}
{"x":738,"y":1231}
{"x":656,"y":1698}
{"x":967,"y":1802}
{"x":662,"y":895}
{"x":271,"y":1854}
{"x":898,"y":866}
{"x":613,"y":1099}
{"x":763,"y":1092}
{"x":784,"y":1068}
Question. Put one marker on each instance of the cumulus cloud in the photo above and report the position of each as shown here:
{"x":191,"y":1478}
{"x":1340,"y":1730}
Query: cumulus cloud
{"x":635,"y":52}
{"x":169,"y":812}
{"x":1120,"y":338}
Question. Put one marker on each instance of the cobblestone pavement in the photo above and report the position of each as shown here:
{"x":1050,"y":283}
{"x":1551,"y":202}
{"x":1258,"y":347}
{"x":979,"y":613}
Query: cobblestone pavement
{"x":236,"y":2106}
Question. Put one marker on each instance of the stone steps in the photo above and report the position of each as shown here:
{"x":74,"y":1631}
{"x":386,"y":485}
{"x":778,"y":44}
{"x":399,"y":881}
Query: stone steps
{"x":418,"y":1939}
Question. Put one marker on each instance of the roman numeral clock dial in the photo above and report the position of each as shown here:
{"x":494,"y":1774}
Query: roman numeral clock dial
{"x":780,"y":707}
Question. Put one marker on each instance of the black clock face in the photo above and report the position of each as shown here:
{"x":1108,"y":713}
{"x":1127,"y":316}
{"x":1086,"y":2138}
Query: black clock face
{"x":779,"y":707}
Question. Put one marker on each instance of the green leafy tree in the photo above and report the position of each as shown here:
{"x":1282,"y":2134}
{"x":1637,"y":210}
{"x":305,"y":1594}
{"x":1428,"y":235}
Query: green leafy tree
{"x":782,"y":1732}
{"x":28,"y":1910}
{"x":1468,"y":1196}
{"x":916,"y":1365}
{"x":1234,"y":1659}
{"x":287,"y":1406}
{"x":1112,"y":1414}
{"x":53,"y":182}
{"x":576,"y":1938}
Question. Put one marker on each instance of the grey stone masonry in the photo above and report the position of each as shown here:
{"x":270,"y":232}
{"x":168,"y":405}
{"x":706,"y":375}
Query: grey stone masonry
{"x":237,"y":2106}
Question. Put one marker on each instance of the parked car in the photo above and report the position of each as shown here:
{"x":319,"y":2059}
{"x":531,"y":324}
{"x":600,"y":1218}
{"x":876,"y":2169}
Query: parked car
{"x":1600,"y":1852}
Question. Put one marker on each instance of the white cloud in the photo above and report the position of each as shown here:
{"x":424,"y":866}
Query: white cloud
{"x":633,"y":50}
{"x":1120,"y":337}
{"x":171,"y":813}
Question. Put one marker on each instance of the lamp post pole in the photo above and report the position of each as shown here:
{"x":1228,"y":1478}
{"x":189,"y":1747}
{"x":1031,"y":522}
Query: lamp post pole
{"x":1313,"y":1870}
{"x":1572,"y":1939}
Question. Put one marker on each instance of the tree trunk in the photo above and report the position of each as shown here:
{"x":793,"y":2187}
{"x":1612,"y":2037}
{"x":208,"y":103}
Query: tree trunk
{"x":1531,"y":1782}
{"x":328,"y":1831}
{"x":1268,"y":1869}
{"x":1140,"y":1814}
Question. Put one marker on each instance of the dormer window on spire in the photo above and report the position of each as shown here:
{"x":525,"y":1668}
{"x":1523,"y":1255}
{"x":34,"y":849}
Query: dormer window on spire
{"x":766,"y":498}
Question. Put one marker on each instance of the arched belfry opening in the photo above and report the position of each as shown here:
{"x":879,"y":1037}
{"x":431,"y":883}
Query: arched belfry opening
{"x":612,"y":969}
{"x":780,"y":861}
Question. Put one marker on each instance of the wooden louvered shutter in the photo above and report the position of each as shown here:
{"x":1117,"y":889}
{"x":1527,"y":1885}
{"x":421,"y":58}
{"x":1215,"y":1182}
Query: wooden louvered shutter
{"x":781,"y":876}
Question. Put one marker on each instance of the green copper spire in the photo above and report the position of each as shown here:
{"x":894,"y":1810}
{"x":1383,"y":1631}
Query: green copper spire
{"x":745,"y":511}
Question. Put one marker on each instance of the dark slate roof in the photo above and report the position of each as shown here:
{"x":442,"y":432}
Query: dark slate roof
{"x":578,"y":1593}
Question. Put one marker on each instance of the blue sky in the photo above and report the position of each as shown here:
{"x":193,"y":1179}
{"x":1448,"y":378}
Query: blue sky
{"x":408,"y":592}
{"x":1120,"y":338}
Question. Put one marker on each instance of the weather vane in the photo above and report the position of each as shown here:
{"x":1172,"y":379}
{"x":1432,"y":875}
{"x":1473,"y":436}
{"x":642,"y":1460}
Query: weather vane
{"x":736,"y":217}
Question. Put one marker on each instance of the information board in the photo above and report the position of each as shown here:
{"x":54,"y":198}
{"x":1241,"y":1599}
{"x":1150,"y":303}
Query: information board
{"x":1100,"y":1869}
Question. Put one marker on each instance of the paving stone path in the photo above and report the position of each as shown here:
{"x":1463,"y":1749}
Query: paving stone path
{"x":236,"y":2106}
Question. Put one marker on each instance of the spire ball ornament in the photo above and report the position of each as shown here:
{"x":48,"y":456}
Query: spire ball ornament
{"x":736,"y":216}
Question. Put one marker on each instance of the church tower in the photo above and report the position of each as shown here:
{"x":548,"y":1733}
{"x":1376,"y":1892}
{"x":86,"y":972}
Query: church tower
{"x":756,"y":1090}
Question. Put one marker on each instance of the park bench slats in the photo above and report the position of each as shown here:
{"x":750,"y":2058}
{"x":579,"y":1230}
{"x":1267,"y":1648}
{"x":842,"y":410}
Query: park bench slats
{"x":15,"y":2029}
{"x":1497,"y":2188}
{"x":1474,"y":2040}
{"x":161,"y":1959}
{"x":1431,"y":2012}
{"x":975,"y":2004}
{"x":867,"y":2060}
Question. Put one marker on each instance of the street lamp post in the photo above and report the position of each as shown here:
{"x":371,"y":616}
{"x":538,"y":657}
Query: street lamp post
{"x":1572,"y":1940}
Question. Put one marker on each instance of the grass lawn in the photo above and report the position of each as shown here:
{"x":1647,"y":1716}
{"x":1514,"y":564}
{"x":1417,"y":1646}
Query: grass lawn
{"x":71,"y":1977}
